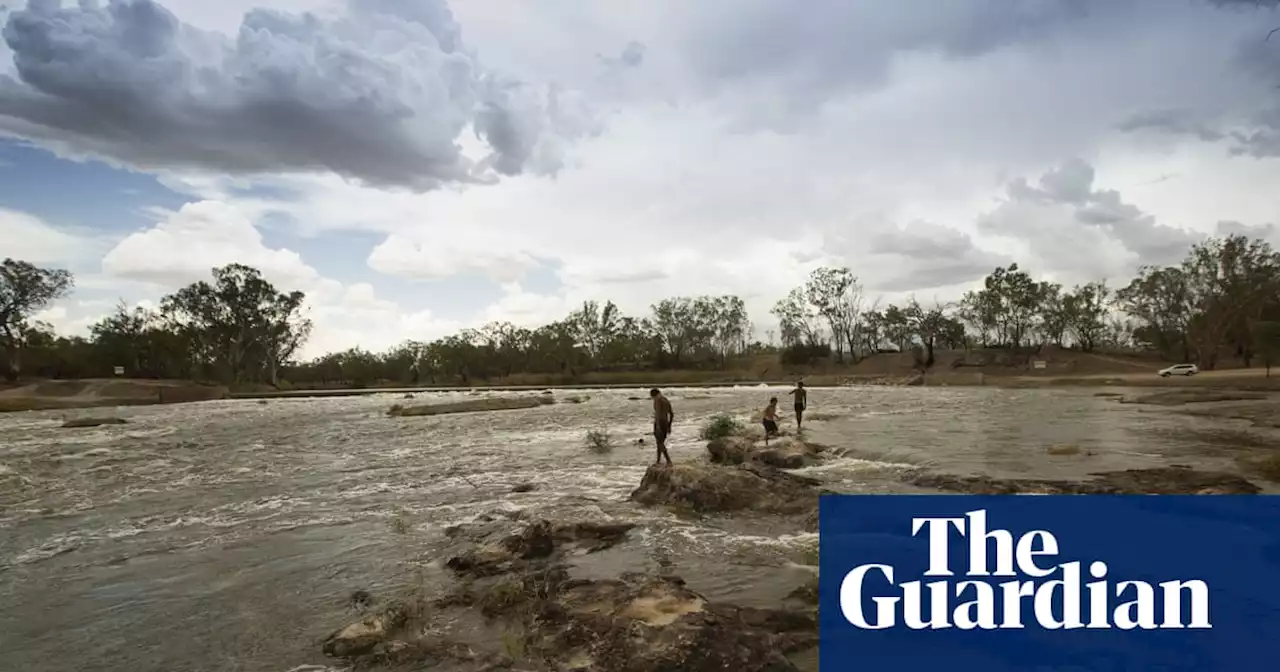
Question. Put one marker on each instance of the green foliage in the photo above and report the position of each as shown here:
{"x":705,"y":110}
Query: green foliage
{"x":599,"y":441}
{"x":721,"y":426}
{"x":238,"y":328}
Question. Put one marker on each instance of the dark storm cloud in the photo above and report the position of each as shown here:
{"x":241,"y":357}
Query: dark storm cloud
{"x":380,"y":94}
{"x":930,"y":256}
{"x":828,"y":44}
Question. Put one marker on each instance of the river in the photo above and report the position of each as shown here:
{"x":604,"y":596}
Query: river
{"x":226,"y":536}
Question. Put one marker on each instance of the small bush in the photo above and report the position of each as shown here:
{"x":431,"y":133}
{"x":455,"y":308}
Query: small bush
{"x":722,"y":426}
{"x":599,"y":441}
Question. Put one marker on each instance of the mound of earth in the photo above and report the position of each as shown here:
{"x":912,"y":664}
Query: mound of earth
{"x":636,"y":623}
{"x":709,"y":488}
{"x":783,"y":453}
{"x":1159,"y":481}
{"x":538,"y":543}
{"x":471,"y":406}
{"x":57,"y":394}
{"x":1191,"y":396}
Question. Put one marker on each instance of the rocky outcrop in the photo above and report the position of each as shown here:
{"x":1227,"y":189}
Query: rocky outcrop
{"x":636,"y":623}
{"x":784,"y":453}
{"x":640,"y":623}
{"x":1159,"y":481}
{"x":710,"y":488}
{"x":361,"y":637}
{"x":537,"y":543}
{"x":471,"y":406}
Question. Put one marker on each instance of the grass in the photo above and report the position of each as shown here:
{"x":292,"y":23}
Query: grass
{"x":513,"y":644}
{"x":721,"y":426}
{"x":599,"y":441}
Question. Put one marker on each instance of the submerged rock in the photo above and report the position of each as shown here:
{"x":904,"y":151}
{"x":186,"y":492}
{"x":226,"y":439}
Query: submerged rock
{"x":537,"y":541}
{"x":1158,"y":481}
{"x":77,"y":423}
{"x":362,"y":636}
{"x":784,"y":453}
{"x":471,"y":406}
{"x":707,"y":488}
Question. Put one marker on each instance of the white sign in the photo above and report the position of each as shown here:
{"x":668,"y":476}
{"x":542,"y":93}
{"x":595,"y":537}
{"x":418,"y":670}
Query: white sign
{"x":119,"y":370}
{"x":1039,"y":363}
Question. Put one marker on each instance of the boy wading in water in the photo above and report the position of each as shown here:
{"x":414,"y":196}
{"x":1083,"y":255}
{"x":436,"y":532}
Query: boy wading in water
{"x":663,"y":416}
{"x":802,"y":402}
{"x":771,"y":419}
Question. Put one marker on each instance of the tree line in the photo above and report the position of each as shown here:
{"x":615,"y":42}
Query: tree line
{"x":1222,"y":300}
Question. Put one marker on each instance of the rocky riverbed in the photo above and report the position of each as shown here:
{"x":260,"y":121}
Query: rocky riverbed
{"x":236,"y":535}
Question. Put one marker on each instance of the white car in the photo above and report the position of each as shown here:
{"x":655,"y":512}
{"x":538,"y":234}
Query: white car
{"x":1180,"y":370}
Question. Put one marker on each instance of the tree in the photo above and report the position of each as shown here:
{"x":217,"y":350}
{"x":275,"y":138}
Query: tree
{"x":836,"y":296}
{"x":238,"y":323}
{"x":1266,"y":341}
{"x":25,"y":289}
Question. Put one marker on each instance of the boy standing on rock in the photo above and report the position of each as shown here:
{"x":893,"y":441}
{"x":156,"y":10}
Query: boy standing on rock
{"x":802,"y":402}
{"x":663,"y":416}
{"x":771,"y":419}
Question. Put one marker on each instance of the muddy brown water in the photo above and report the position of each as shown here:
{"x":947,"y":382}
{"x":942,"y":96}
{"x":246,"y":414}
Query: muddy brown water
{"x":228,"y":535}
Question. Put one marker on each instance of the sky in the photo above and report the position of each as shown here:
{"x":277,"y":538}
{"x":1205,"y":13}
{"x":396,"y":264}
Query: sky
{"x":417,"y":166}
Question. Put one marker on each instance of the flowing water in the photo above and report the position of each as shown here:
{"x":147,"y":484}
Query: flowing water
{"x":228,"y":535}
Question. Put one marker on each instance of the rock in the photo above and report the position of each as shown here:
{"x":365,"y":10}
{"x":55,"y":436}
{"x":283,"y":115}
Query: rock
{"x":1064,"y":449}
{"x":407,"y":396}
{"x":538,"y":541}
{"x":707,"y":488}
{"x":471,"y":406}
{"x":524,"y":487}
{"x":783,"y":453}
{"x":362,"y":636}
{"x":76,"y":423}
{"x":656,"y":623}
{"x":1158,"y":481}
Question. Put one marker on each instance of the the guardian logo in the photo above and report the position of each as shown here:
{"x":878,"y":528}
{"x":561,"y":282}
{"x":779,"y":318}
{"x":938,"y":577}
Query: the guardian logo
{"x":1053,"y":603}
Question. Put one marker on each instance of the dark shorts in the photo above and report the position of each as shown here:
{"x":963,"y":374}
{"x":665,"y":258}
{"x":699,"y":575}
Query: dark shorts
{"x":799,"y":409}
{"x":661,"y":431}
{"x":770,"y":426}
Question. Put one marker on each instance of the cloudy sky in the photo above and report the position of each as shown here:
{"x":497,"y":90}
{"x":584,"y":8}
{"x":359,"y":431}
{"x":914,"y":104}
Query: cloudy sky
{"x":417,"y":166}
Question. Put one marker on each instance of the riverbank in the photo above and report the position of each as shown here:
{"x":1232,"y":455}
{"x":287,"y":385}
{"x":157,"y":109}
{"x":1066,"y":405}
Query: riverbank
{"x":51,"y":395}
{"x":55,"y":395}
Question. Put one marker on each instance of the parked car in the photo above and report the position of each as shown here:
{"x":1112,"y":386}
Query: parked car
{"x":1180,"y":370}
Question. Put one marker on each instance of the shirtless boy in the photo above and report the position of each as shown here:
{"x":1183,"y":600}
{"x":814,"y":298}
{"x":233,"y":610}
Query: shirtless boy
{"x":663,"y":416}
{"x":802,"y":402}
{"x":771,"y":419}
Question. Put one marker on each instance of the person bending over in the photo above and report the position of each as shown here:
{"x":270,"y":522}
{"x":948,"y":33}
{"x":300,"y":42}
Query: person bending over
{"x":663,"y":416}
{"x":802,"y":402}
{"x":771,"y":419}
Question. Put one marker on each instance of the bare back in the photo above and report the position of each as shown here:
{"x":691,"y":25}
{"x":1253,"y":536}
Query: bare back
{"x":662,"y":409}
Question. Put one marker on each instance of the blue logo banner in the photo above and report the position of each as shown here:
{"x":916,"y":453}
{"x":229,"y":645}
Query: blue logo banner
{"x":1086,"y":583}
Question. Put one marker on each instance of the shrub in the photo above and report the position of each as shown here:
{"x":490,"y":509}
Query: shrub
{"x":599,"y":441}
{"x":722,"y":426}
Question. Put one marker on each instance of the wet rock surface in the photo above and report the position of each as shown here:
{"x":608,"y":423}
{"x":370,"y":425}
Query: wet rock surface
{"x":550,"y":621}
{"x":784,"y":452}
{"x":712,"y":488}
{"x":1159,"y":481}
{"x":538,"y":542}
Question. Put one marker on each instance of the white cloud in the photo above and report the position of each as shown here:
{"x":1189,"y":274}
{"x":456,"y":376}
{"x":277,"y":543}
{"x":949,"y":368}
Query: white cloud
{"x":31,"y":239}
{"x":188,"y":244}
{"x":754,"y":141}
